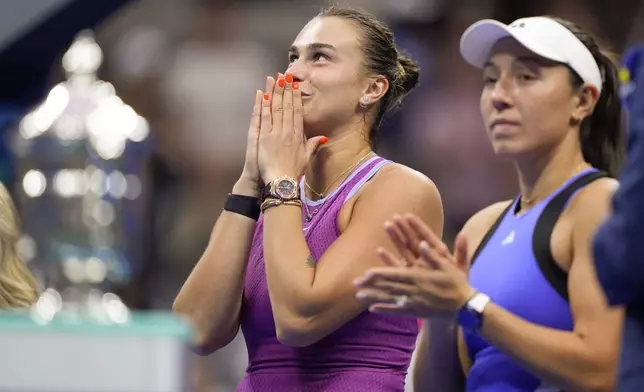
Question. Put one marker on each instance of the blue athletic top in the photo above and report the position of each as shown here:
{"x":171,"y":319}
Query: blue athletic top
{"x":515,"y":267}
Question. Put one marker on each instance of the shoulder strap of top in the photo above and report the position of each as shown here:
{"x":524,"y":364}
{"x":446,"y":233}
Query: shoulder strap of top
{"x":364,"y":177}
{"x":490,"y":232}
{"x":544,"y":227}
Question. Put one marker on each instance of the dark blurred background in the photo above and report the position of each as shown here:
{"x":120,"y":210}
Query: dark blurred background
{"x":190,"y":67}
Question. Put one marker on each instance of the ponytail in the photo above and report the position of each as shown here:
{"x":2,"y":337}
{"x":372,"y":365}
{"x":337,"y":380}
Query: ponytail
{"x":602,"y":135}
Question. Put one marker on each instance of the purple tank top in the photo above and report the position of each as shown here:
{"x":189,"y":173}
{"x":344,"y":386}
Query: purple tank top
{"x":369,"y":353}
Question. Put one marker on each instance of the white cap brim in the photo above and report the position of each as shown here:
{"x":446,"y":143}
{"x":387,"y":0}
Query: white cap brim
{"x":543,"y":36}
{"x":478,"y":40}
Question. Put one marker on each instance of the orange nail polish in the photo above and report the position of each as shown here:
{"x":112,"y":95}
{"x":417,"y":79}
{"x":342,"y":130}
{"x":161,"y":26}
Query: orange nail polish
{"x":324,"y":139}
{"x":281,"y":82}
{"x":296,"y":86}
{"x":266,"y":96}
{"x":289,"y":78}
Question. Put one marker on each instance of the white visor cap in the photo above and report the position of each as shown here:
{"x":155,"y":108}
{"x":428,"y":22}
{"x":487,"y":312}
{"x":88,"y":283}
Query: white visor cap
{"x":543,"y":36}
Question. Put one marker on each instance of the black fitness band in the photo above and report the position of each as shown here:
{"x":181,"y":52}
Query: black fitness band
{"x":243,"y":205}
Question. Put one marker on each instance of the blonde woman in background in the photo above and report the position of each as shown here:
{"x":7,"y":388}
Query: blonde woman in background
{"x":18,"y":287}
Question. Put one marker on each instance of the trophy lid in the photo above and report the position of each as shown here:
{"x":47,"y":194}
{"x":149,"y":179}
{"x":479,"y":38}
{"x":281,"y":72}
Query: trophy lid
{"x":84,"y":56}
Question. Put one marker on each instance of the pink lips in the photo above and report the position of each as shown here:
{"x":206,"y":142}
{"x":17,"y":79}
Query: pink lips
{"x":499,"y":125}
{"x":502,"y":121}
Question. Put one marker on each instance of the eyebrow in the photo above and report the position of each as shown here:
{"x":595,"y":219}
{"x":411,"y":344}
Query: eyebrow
{"x":488,"y":64}
{"x":313,"y":46}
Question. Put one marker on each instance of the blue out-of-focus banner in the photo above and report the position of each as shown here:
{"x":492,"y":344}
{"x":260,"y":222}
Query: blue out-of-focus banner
{"x":41,"y":31}
{"x":17,"y":17}
{"x":8,"y":115}
{"x":632,"y":64}
{"x":33,"y":34}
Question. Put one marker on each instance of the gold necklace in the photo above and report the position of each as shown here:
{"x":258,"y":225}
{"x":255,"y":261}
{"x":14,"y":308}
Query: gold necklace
{"x":323,"y":194}
{"x":526,"y":201}
{"x":309,"y":215}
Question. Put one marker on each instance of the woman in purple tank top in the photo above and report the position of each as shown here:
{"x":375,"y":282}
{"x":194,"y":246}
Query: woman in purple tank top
{"x":286,"y":276}
{"x":531,"y":313}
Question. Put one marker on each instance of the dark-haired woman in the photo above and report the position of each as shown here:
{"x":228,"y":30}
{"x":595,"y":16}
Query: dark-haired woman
{"x":532,"y":314}
{"x":287,"y":277}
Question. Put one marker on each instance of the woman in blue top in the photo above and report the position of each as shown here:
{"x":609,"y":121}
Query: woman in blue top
{"x":532,"y":316}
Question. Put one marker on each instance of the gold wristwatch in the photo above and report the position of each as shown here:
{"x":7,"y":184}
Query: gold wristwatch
{"x":283,"y":190}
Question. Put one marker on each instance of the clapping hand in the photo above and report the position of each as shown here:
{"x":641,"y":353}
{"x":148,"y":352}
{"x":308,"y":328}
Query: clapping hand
{"x":434,"y":283}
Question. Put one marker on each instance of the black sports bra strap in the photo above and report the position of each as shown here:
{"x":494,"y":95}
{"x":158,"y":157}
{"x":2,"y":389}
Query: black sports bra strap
{"x":490,"y":233}
{"x":560,"y":200}
{"x":544,"y":227}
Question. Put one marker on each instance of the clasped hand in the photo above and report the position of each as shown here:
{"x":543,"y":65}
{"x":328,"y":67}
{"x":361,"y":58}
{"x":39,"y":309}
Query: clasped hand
{"x":432,"y":281}
{"x":283,"y":149}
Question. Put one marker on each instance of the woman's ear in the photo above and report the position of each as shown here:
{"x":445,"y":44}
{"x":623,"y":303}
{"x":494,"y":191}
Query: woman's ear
{"x":587,"y":97}
{"x":375,"y":91}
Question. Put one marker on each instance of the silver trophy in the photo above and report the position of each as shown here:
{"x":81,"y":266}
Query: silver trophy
{"x":79,"y":157}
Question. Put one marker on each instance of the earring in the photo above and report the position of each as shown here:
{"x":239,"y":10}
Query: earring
{"x":364,"y":102}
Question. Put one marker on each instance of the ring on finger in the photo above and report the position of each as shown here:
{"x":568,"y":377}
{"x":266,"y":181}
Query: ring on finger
{"x":402,"y":301}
